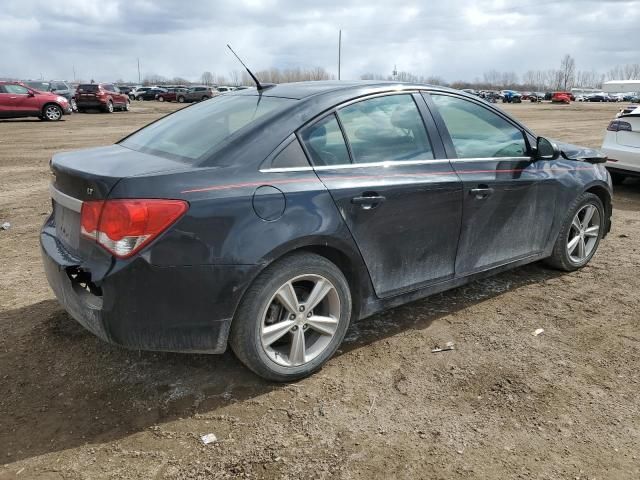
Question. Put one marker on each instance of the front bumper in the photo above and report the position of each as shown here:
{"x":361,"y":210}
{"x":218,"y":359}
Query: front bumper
{"x":145,"y":307}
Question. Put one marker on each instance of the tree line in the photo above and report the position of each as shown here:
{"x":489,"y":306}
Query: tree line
{"x":562,"y":78}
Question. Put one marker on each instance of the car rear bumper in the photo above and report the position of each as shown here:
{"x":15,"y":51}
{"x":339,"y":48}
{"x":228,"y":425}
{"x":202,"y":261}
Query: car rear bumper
{"x":146,"y":307}
{"x":81,"y":103}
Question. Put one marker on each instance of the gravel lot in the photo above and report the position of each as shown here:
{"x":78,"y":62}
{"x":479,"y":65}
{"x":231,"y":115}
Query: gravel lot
{"x":504,"y":404}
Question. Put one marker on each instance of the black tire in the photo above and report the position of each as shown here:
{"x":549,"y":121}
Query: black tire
{"x":160,"y":98}
{"x":109,"y":107}
{"x":204,"y":97}
{"x":244,"y":337}
{"x":559,"y":258}
{"x":617,"y":178}
{"x":181,"y":99}
{"x":127,"y":106}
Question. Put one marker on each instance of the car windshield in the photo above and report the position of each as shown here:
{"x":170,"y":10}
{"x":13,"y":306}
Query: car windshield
{"x":40,"y":86}
{"x":193,"y":133}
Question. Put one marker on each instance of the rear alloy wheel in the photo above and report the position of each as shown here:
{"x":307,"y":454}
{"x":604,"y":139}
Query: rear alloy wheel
{"x":580,"y":234}
{"x":161,"y":98}
{"x":127,"y":106}
{"x":109,"y":107}
{"x":52,"y":113}
{"x":180,"y":99}
{"x":293,"y":318}
{"x":74,"y":105}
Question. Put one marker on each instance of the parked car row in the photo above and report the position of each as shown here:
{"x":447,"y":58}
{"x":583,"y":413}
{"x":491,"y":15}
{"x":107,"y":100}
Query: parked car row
{"x":610,"y":97}
{"x":178,"y":93}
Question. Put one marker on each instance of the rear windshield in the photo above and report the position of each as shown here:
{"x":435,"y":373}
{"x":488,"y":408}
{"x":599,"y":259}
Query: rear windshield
{"x":193,"y":133}
{"x":92,"y":87}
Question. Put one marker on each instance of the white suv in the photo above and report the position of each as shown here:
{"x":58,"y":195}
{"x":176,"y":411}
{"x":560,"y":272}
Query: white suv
{"x":622,"y":146}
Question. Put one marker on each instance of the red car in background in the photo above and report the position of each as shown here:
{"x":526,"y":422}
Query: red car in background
{"x":18,"y":100}
{"x":171,"y":95}
{"x":561,"y":97}
{"x":104,"y":96}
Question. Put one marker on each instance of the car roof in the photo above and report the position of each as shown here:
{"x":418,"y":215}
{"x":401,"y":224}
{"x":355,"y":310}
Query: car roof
{"x":302,"y":90}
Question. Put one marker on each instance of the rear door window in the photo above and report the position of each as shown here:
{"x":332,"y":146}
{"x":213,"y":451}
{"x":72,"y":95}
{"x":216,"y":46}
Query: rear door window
{"x":387,"y":128}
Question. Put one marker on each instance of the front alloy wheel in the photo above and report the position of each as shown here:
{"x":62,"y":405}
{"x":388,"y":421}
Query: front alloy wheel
{"x":52,"y":113}
{"x":583,"y":234}
{"x":293,"y":318}
{"x":580,"y":234}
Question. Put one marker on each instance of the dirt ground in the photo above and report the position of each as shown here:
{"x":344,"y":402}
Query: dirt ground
{"x":503,"y":405}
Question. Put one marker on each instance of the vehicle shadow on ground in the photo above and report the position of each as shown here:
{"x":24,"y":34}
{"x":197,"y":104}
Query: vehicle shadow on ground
{"x":626,"y":196}
{"x":63,"y":388}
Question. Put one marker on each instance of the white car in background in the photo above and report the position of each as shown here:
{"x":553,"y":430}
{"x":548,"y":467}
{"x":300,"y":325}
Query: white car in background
{"x":622,"y":146}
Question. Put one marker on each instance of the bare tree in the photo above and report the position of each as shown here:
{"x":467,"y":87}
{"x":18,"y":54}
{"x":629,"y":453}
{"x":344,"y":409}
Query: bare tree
{"x":234,"y":77}
{"x":207,"y":78}
{"x":567,"y":71}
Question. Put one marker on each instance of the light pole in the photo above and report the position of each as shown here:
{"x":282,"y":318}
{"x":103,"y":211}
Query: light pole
{"x":339,"y":50}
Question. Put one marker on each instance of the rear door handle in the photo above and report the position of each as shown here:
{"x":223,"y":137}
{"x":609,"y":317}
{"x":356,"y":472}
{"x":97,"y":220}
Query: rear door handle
{"x":367,"y":202}
{"x":482,"y":191}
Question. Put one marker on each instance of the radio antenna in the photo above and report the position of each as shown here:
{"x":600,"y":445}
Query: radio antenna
{"x":259,"y":86}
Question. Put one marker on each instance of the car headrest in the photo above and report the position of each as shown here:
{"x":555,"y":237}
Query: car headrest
{"x":318,"y":138}
{"x":404,"y":117}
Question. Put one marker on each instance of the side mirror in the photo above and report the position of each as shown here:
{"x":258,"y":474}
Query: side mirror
{"x":31,"y":94}
{"x":546,"y":150}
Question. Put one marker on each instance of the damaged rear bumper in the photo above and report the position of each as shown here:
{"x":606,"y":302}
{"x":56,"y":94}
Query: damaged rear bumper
{"x":147,"y":307}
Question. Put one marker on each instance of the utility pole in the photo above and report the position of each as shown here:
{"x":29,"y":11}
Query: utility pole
{"x":139,"y":79}
{"x":339,"y":50}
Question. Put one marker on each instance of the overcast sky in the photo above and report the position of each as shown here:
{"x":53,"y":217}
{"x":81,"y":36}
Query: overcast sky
{"x":453,"y":39}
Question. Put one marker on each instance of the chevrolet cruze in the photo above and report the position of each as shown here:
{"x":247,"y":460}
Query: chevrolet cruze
{"x":270,"y":219}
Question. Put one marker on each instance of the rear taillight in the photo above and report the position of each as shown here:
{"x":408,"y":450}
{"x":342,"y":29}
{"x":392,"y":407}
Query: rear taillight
{"x":123,"y":227}
{"x":619,"y":126}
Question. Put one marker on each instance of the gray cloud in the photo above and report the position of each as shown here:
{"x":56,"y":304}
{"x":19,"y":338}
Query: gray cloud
{"x":454,"y":39}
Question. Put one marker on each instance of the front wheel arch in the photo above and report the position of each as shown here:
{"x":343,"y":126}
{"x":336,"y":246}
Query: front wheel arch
{"x":605,"y":197}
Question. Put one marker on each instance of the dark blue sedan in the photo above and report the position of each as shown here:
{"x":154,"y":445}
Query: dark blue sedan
{"x":270,"y":219}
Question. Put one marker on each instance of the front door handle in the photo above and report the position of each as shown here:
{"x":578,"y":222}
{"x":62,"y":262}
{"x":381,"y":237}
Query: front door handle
{"x":367,"y":202}
{"x":481,"y":191}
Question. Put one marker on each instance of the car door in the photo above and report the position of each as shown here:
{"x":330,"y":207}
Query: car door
{"x":4,"y":102}
{"x":384,"y":164}
{"x":20,"y":101}
{"x":509,"y":200}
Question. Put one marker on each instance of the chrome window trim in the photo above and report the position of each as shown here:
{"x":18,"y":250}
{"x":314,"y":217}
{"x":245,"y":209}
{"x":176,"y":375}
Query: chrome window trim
{"x":391,"y":163}
{"x":286,"y":169}
{"x":385,"y":164}
{"x":64,"y":199}
{"x":490,"y":159}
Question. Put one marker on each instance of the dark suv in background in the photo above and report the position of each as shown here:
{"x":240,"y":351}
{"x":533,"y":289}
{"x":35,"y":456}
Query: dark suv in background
{"x":58,"y":87}
{"x":104,"y":96}
{"x":197,"y":94}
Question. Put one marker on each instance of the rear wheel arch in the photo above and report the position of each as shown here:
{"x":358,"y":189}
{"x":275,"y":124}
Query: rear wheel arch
{"x":356,"y":275}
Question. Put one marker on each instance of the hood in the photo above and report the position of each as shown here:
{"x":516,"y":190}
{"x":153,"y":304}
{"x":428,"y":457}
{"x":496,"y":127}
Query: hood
{"x":579,"y":153}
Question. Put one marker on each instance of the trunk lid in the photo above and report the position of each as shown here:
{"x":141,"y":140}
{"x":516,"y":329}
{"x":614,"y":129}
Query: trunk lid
{"x":91,"y":175}
{"x":629,"y":138}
